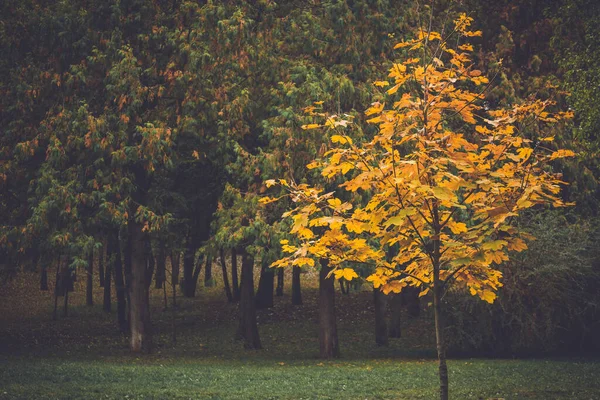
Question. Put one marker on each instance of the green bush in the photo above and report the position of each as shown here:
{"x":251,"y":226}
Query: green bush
{"x":550,"y":301}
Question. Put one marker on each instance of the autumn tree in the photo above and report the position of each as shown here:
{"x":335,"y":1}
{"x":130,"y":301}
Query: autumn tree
{"x":444,"y":177}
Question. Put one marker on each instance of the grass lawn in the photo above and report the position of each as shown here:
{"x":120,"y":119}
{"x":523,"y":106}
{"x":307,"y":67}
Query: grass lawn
{"x":82,"y":356}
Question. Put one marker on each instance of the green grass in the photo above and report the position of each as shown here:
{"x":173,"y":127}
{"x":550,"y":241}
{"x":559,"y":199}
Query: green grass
{"x":84,"y":357}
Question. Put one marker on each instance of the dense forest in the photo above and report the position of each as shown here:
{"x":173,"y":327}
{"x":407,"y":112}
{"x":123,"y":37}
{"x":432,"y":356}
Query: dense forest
{"x":441,"y":155}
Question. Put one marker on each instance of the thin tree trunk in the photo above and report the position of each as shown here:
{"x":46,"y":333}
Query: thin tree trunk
{"x":101,"y":263}
{"x":234,"y":276}
{"x":119,"y":284}
{"x":175,"y":258}
{"x":56,"y":290}
{"x":190,"y":270}
{"x":89,"y":295}
{"x":328,"y":338}
{"x":107,"y":275}
{"x":410,"y":298}
{"x":280,"y":278}
{"x":44,"y":278}
{"x":66,"y":278}
{"x":161,"y":265}
{"x":127,"y":260}
{"x":141,"y":333}
{"x":248,"y":327}
{"x":208,"y":279}
{"x":296,"y":288}
{"x":225,"y":276}
{"x":395,"y":316}
{"x":343,"y":288}
{"x":381,"y":329}
{"x":150,"y":261}
{"x":264,"y":294}
{"x":437,"y":305}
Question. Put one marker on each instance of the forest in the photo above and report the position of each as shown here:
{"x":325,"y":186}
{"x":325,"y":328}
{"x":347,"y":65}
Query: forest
{"x":298,"y":199}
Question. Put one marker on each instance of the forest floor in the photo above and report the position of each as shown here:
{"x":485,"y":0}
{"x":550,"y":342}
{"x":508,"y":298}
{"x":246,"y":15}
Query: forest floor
{"x":83,"y":356}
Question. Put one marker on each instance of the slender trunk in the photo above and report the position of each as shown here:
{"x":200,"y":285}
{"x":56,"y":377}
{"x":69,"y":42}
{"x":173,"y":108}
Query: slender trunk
{"x":381,"y":329}
{"x":101,"y":264}
{"x":264,"y":294}
{"x":189,"y":259}
{"x":234,"y":276}
{"x":208,"y":279}
{"x":56,"y":289}
{"x":107,"y":275}
{"x":89,"y":295}
{"x":343,"y":288}
{"x":296,"y":288}
{"x":395,"y":316}
{"x":248,"y":328}
{"x":280,"y":278}
{"x":166,"y":304}
{"x":44,"y":278}
{"x":410,"y":298}
{"x":161,"y":265}
{"x":175,"y":258}
{"x":127,"y":260}
{"x":328,"y":338}
{"x":141,"y":334}
{"x":437,"y":306}
{"x":119,"y":284}
{"x":66,"y":278}
{"x":150,"y":261}
{"x":225,"y":277}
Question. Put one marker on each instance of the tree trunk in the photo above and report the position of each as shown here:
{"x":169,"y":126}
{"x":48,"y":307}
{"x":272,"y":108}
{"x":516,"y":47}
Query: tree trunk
{"x":248,"y":328}
{"x":66,"y":279}
{"x":225,"y":277}
{"x":119,"y":284}
{"x":437,"y":305}
{"x":141,"y":334}
{"x":101,"y":264}
{"x":410,"y":298}
{"x":161,"y":265}
{"x":107,"y":275}
{"x":56,"y":289}
{"x":395,"y":316}
{"x":328,"y":338}
{"x":190,"y":270}
{"x":280,"y":276}
{"x":127,"y":260}
{"x":296,"y":288}
{"x":208,"y":279}
{"x":234,"y":276}
{"x":89,"y":295}
{"x":343,"y":288}
{"x":150,"y":261}
{"x":264,"y":294}
{"x":44,"y":278}
{"x":175,"y":258}
{"x":381,"y":329}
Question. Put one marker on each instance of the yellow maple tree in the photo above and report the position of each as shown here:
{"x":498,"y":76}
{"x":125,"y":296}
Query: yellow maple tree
{"x":443,"y":177}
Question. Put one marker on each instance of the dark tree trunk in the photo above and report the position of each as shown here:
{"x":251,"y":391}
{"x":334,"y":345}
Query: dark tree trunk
{"x":264,"y":294}
{"x":381,"y":330}
{"x":119,"y":284}
{"x":56,"y":289}
{"x":89,"y":294}
{"x":66,"y":279}
{"x":161,"y":265}
{"x":208,"y":279}
{"x":101,"y":263}
{"x":395,"y":316}
{"x":141,"y":333}
{"x":150,"y":261}
{"x":296,"y":288}
{"x":44,"y":278}
{"x":343,"y":287}
{"x":410,"y":298}
{"x":175,"y":258}
{"x":328,"y":338}
{"x":225,"y":277}
{"x":127,"y":260}
{"x":191,"y":271}
{"x":437,"y":304}
{"x":280,"y":279}
{"x":248,"y":328}
{"x":107,"y":275}
{"x":234,"y":276}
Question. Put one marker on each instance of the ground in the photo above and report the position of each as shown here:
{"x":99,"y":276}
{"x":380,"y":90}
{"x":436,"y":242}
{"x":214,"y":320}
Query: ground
{"x":83,"y":356}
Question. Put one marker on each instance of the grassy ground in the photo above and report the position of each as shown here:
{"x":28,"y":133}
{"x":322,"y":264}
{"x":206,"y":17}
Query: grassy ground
{"x":83,"y":356}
